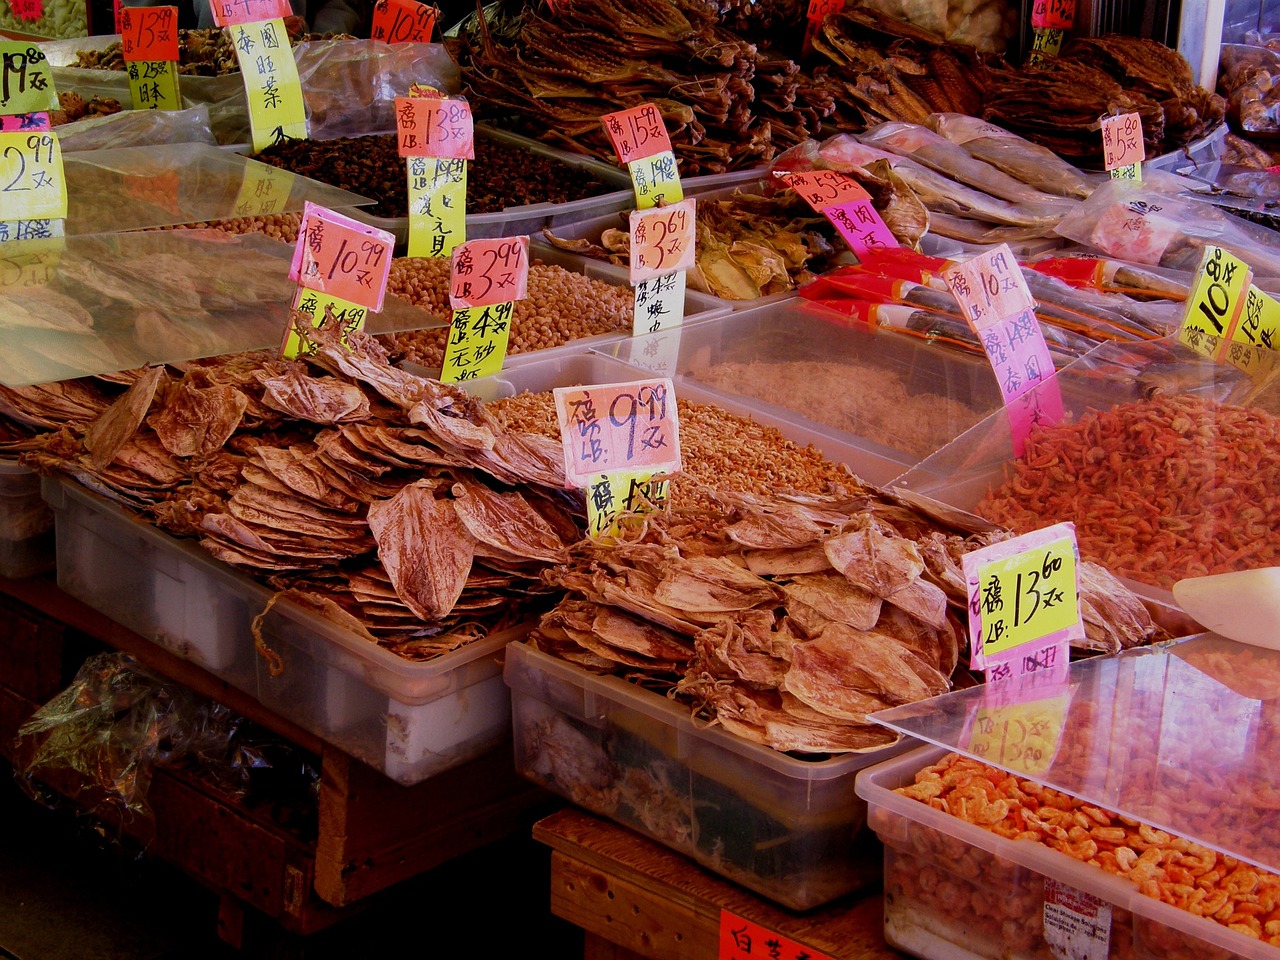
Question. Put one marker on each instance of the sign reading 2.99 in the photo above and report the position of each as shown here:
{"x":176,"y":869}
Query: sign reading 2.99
{"x":32,"y":186}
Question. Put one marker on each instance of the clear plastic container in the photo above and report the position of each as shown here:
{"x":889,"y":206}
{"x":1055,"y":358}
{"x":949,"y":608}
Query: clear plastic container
{"x":26,"y":523}
{"x":789,"y":829}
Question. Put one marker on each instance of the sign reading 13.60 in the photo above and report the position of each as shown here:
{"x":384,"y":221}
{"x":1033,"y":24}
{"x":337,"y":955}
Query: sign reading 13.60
{"x":1028,"y":596}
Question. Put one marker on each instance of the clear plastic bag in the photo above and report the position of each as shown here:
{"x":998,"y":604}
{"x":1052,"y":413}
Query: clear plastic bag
{"x":138,"y":128}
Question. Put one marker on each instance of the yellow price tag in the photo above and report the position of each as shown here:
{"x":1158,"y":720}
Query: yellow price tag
{"x":30,"y":264}
{"x":264,"y":189}
{"x":1046,"y":41}
{"x":1260,"y":320}
{"x":1216,"y":301}
{"x":276,"y":109}
{"x":153,"y":84}
{"x":323,"y":308}
{"x":437,"y":205}
{"x":614,"y":495}
{"x":32,"y":186}
{"x":1028,"y":597}
{"x":477,"y":344}
{"x":1131,"y":172}
{"x":1023,"y":736}
{"x":656,"y":180}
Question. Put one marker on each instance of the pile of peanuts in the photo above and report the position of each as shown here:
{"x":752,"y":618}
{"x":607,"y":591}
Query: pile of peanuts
{"x":561,"y":306}
{"x":1176,"y":871}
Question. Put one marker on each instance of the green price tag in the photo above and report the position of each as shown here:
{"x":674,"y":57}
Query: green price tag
{"x":1029,"y":597}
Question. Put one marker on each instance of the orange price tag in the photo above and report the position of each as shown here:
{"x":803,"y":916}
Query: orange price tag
{"x":1053,"y":14}
{"x":435,"y":127}
{"x":1122,"y":144}
{"x":990,"y":287}
{"x":402,"y":21}
{"x":742,"y":939}
{"x":662,"y":240}
{"x":486,"y":272}
{"x":341,"y":257}
{"x":620,"y":426}
{"x":149,"y":33}
{"x":825,"y":188}
{"x":637,"y":133}
{"x":820,"y":9}
{"x":227,"y":12}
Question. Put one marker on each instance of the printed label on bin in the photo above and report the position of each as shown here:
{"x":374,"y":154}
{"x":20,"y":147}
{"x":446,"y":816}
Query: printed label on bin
{"x":637,"y":133}
{"x":824,"y":188}
{"x":1122,"y":148}
{"x":1053,"y":14}
{"x":613,"y":496}
{"x":656,"y":180}
{"x":608,"y":428}
{"x":229,"y":12}
{"x":1216,"y":301}
{"x":153,"y":84}
{"x":662,"y":240}
{"x":434,"y":127}
{"x":32,"y":185}
{"x":27,"y":83}
{"x":478,"y":340}
{"x":1077,"y":925}
{"x":658,"y":304}
{"x":989,"y":287}
{"x":324,"y":310}
{"x":342,"y":257}
{"x":486,"y":272}
{"x":264,"y":190}
{"x":1024,"y":601}
{"x":149,"y":33}
{"x":271,"y":84}
{"x":437,"y":205}
{"x":743,"y":939}
{"x":1023,"y":737}
{"x":402,"y":21}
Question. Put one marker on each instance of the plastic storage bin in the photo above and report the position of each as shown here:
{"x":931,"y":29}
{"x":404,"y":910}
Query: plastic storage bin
{"x":954,"y":891}
{"x":26,"y":524}
{"x":410,"y":720}
{"x":789,"y":829}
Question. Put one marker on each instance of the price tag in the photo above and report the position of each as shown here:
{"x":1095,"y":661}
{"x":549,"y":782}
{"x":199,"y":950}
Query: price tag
{"x":477,"y":343}
{"x":32,"y":186}
{"x":742,"y":939}
{"x":1214,"y":305}
{"x":1019,"y":736}
{"x":1024,"y":600}
{"x":989,"y":287}
{"x":342,"y":257}
{"x":402,"y":21}
{"x":434,"y":127}
{"x":662,"y":240}
{"x":30,"y":254}
{"x":486,"y":272}
{"x":656,"y":180}
{"x":612,"y":496}
{"x":272,"y":87}
{"x":437,"y":206}
{"x":1123,"y":149}
{"x":264,"y":189}
{"x":1260,"y":322}
{"x":227,"y":13}
{"x":24,"y":122}
{"x":149,"y":33}
{"x":861,"y":226}
{"x":323,"y":309}
{"x":1045,"y":42}
{"x":153,"y":84}
{"x":637,"y":133}
{"x":23,"y":231}
{"x":818,"y":11}
{"x":1053,"y":14}
{"x":26,"y":81}
{"x":659,"y":303}
{"x":618,"y":427}
{"x":824,"y":188}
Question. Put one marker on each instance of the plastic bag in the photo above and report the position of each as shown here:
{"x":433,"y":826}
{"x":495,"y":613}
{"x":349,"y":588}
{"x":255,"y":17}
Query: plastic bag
{"x":1249,"y":77}
{"x":137,"y":128}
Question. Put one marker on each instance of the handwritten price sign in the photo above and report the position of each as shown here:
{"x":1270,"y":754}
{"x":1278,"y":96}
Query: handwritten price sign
{"x":402,"y":21}
{"x":149,"y":33}
{"x":1214,"y":306}
{"x":637,"y":133}
{"x":989,"y":287}
{"x":1122,"y":144}
{"x":26,"y":82}
{"x":32,"y":186}
{"x":1259,"y":325}
{"x":228,"y":12}
{"x":1053,"y":14}
{"x":824,"y":188}
{"x":743,"y":939}
{"x":1022,"y":736}
{"x":662,"y":240}
{"x":342,"y":257}
{"x":618,"y":427}
{"x":486,"y":272}
{"x":434,"y":127}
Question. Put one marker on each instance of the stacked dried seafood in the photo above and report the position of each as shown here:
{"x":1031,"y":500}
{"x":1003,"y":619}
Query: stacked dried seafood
{"x":552,"y":70}
{"x":788,"y":618}
{"x":204,"y":53}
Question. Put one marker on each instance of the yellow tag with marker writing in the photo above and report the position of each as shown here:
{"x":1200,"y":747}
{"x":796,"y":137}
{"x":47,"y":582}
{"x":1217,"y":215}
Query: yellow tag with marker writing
{"x":477,"y":344}
{"x":1215,"y":303}
{"x":323,"y":308}
{"x":264,"y":190}
{"x":274,"y":92}
{"x":1020,"y":736}
{"x":613,"y":495}
{"x":32,"y":185}
{"x":153,"y":85}
{"x":437,"y":205}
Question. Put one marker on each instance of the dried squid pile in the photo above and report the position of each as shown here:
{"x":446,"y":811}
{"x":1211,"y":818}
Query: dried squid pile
{"x":552,"y":70}
{"x":788,"y":618}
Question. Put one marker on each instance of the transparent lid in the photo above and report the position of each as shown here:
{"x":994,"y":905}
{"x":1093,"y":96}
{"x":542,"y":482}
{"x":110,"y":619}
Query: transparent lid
{"x":132,"y":188}
{"x":76,"y":306}
{"x":1182,"y":736}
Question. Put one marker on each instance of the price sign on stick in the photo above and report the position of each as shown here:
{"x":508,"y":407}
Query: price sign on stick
{"x":637,"y":133}
{"x":437,"y":205}
{"x":1216,"y":300}
{"x":26,"y":80}
{"x":261,"y":42}
{"x":402,"y":21}
{"x":1259,"y":324}
{"x":1123,"y":149}
{"x":618,"y":427}
{"x":662,"y":240}
{"x":434,"y":127}
{"x":342,"y":257}
{"x":1019,"y":736}
{"x":229,"y":12}
{"x":989,"y":287}
{"x":486,"y":272}
{"x":1053,"y":14}
{"x":613,"y":495}
{"x":824,"y":188}
{"x":844,"y":202}
{"x":32,"y":186}
{"x":149,"y":33}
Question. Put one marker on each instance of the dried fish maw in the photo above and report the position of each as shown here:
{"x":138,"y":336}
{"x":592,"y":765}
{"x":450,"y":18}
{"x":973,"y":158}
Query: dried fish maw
{"x":875,"y":558}
{"x":923,"y":600}
{"x":424,"y":547}
{"x":902,"y":211}
{"x":834,"y":598}
{"x":319,"y":400}
{"x":506,"y":521}
{"x":198,"y":421}
{"x":107,"y":434}
{"x":712,"y":585}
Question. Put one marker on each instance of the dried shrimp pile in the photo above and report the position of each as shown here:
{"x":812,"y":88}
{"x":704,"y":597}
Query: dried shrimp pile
{"x":1159,"y":490}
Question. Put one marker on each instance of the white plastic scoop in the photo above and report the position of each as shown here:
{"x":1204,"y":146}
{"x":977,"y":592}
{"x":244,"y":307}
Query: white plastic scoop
{"x":1242,"y":606}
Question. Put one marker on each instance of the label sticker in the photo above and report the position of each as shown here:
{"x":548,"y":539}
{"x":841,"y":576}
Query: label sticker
{"x":26,"y":80}
{"x":662,"y":240}
{"x":402,"y":21}
{"x":612,"y":495}
{"x":742,"y":939}
{"x":637,"y":133}
{"x":490,"y":271}
{"x":618,"y":427}
{"x":342,"y":257}
{"x":32,"y":186}
{"x":437,"y":206}
{"x":272,"y":87}
{"x":149,"y":33}
{"x":658,"y":304}
{"x":478,"y":339}
{"x":434,"y":127}
{"x":1077,"y":925}
{"x":230,"y":12}
{"x":153,"y":85}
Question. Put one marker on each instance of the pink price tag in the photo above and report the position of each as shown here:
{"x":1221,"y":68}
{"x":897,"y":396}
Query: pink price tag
{"x":402,"y":21}
{"x":342,"y":257}
{"x":989,"y":287}
{"x":485,"y":272}
{"x":637,"y":133}
{"x":435,"y":127}
{"x":1122,"y":144}
{"x":824,"y":188}
{"x":228,"y":12}
{"x":819,"y":9}
{"x":24,"y":122}
{"x":1024,"y":370}
{"x":663,"y":240}
{"x":861,"y":226}
{"x":1053,"y":14}
{"x":614,"y":427}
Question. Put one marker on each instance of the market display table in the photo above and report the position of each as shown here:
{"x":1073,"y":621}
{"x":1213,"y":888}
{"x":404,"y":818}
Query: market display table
{"x":368,"y":833}
{"x":635,"y":898}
